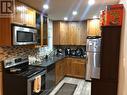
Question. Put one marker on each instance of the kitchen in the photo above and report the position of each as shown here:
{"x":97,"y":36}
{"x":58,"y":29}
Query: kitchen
{"x":62,"y":41}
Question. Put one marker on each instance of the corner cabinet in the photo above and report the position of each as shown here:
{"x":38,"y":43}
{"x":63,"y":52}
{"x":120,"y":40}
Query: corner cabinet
{"x":24,"y":15}
{"x":69,"y":33}
{"x":110,"y":51}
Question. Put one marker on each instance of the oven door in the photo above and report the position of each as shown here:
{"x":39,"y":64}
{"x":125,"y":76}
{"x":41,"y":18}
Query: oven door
{"x":24,"y":35}
{"x":36,"y":84}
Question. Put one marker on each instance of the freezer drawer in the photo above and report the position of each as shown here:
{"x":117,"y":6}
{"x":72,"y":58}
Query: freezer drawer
{"x":93,"y":65}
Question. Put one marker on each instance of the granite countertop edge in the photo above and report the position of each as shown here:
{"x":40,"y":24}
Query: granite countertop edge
{"x":48,"y":62}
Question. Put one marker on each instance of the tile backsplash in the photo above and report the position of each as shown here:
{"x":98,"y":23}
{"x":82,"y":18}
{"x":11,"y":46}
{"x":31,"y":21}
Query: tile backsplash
{"x":22,"y":51}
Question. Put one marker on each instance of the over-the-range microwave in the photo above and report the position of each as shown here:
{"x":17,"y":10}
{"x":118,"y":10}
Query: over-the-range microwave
{"x":23,"y":35}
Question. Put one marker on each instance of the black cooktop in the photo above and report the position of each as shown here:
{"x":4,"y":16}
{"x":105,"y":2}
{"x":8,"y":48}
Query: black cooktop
{"x":25,"y":71}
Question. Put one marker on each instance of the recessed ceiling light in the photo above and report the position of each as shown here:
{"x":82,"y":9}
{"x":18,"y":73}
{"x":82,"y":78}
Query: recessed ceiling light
{"x":91,"y":2}
{"x":94,"y":17}
{"x":45,"y":6}
{"x":20,"y":8}
{"x":74,"y":13}
{"x":65,"y":18}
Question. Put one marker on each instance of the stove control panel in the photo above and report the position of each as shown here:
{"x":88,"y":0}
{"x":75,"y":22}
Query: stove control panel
{"x":13,"y":62}
{"x":8,"y":63}
{"x":18,"y":60}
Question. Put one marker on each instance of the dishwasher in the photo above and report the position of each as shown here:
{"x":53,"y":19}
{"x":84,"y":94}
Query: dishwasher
{"x":50,"y":78}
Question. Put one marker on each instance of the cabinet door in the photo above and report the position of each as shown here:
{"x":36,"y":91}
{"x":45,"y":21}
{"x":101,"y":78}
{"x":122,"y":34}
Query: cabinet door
{"x":82,"y":33}
{"x":78,"y":68}
{"x":24,"y":15}
{"x":64,"y":34}
{"x":72,"y":33}
{"x":31,"y":20}
{"x":68,"y":66}
{"x":93,"y":28}
{"x":77,"y":33}
{"x":75,"y":67}
{"x":57,"y":72}
{"x":60,"y":70}
{"x":56,"y":33}
{"x":18,"y":17}
{"x":5,"y":32}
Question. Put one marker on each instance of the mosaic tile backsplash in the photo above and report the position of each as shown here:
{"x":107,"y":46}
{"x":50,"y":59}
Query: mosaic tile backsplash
{"x":22,"y":51}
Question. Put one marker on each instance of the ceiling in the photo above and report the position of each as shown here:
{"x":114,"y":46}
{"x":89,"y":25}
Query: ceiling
{"x":58,"y":9}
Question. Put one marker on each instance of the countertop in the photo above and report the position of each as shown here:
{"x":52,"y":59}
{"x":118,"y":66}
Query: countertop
{"x":53,"y":60}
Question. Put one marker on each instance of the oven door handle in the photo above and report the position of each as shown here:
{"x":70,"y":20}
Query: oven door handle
{"x":33,"y":77}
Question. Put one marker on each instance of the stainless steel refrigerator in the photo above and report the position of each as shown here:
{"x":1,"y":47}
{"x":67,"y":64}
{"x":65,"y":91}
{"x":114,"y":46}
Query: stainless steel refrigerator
{"x":93,"y":57}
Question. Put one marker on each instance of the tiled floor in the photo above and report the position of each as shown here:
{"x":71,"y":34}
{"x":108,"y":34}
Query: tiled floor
{"x":83,"y":87}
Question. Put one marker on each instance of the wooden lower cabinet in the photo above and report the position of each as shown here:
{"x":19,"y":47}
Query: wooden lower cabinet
{"x":60,"y":70}
{"x":74,"y":67}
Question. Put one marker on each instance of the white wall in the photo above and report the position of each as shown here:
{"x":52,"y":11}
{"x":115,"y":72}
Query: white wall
{"x":122,"y":87}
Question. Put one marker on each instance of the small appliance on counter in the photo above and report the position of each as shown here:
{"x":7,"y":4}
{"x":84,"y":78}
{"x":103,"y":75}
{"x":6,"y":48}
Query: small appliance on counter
{"x":59,"y":51}
{"x":80,"y":52}
{"x":73,"y":52}
{"x":20,"y":78}
{"x":67,"y":51}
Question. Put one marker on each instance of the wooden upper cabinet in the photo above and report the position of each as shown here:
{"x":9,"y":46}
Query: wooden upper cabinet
{"x":83,"y":33}
{"x":31,"y":17}
{"x":72,"y":34}
{"x":24,"y":15}
{"x":69,"y":33}
{"x":56,"y":33}
{"x":5,"y":32}
{"x":77,"y":32}
{"x":64,"y":33}
{"x":17,"y":18}
{"x":93,"y":27}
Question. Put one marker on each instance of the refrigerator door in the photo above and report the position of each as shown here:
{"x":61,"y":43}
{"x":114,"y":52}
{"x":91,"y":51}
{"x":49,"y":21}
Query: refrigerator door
{"x":93,"y":45}
{"x":93,"y":65}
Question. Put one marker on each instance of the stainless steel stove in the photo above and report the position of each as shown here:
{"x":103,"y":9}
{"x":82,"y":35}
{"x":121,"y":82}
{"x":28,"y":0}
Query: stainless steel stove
{"x":19,"y":77}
